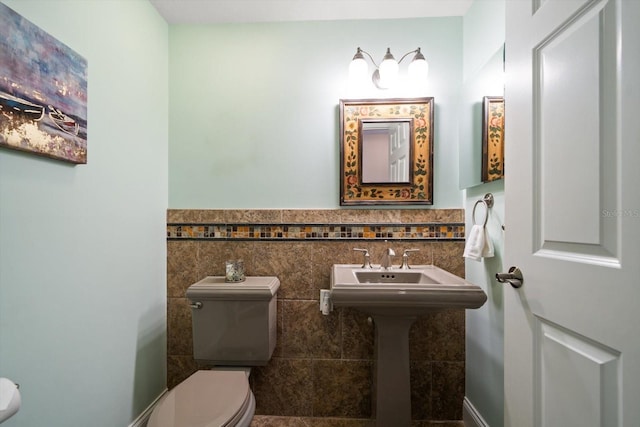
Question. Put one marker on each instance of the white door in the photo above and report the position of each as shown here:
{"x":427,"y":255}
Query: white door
{"x":572,"y":201}
{"x":399,"y":152}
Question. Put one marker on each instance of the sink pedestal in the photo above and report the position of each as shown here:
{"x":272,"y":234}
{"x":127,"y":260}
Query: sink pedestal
{"x":395,"y":298}
{"x":392,"y":390}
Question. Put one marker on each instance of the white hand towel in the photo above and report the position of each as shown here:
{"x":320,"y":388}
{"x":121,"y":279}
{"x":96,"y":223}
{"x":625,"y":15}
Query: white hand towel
{"x":478,"y":244}
{"x":487,"y":249}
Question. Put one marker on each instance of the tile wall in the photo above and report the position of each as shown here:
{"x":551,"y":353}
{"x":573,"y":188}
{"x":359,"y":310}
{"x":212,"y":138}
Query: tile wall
{"x":322,"y":365}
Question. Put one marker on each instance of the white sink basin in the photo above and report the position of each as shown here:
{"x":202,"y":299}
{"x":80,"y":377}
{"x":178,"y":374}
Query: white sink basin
{"x":383,"y":277}
{"x":421,"y":289}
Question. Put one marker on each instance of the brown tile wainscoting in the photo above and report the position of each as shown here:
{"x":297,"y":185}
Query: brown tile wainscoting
{"x":322,"y":366}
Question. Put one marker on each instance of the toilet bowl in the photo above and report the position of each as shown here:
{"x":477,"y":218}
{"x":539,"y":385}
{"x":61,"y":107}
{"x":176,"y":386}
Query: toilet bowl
{"x":234,"y":328}
{"x":215,"y":398}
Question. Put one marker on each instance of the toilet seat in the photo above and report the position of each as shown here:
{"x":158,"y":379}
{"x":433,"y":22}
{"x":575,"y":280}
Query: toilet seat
{"x":216,"y":398}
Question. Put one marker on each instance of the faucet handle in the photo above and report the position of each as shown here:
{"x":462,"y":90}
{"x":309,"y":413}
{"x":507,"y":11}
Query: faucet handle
{"x":405,"y":258}
{"x":367,"y":257}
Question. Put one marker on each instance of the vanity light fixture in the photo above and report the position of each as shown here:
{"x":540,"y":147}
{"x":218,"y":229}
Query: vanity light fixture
{"x":386,"y":74}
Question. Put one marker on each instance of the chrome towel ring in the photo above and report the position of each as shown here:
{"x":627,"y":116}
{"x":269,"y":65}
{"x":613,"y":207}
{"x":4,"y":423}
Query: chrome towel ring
{"x":487,"y":201}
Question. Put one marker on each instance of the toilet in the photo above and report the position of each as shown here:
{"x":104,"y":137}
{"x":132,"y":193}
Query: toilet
{"x":234,"y":328}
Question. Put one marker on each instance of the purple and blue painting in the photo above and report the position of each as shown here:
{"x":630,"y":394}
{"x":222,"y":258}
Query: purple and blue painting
{"x":43,"y":92}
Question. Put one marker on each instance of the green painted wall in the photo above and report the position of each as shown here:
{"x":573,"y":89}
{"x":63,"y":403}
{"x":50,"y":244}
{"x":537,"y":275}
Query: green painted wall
{"x":254,"y":108}
{"x":82,"y":250}
{"x":484,"y":26}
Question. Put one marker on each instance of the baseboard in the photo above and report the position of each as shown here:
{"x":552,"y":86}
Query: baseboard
{"x":143,"y":418}
{"x":471,"y":416}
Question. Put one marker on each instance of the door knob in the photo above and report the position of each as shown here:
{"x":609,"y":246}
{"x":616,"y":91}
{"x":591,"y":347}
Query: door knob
{"x":513,"y":277}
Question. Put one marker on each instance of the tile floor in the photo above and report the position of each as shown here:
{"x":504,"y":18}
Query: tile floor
{"x":274,"y":421}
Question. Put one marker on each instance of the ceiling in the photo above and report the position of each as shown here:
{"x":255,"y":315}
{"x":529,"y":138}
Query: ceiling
{"x":220,"y":11}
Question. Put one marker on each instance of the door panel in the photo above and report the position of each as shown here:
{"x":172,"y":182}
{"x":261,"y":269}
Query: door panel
{"x":576,"y":376}
{"x":567,"y":126}
{"x":572,"y":213}
{"x":575,"y":131}
{"x":399,"y":153}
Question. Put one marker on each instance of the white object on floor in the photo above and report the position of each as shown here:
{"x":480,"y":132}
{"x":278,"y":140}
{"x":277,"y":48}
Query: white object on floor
{"x":9,"y":399}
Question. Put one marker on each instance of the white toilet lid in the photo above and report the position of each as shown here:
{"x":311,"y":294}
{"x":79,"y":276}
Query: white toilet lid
{"x":205,"y":399}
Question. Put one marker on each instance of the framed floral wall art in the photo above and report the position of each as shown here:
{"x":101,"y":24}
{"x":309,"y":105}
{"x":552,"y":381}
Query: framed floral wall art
{"x":492,"y":138}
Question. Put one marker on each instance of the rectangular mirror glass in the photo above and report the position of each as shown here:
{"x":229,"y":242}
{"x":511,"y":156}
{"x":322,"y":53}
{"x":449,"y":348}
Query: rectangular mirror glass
{"x":385,"y":150}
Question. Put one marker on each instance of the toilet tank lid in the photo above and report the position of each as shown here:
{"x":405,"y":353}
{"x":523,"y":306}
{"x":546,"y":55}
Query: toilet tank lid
{"x":252,"y":288}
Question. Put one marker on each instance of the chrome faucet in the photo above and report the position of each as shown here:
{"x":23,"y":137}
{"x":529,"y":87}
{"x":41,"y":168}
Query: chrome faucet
{"x":385,"y":264}
{"x":405,"y":258}
{"x":367,"y":258}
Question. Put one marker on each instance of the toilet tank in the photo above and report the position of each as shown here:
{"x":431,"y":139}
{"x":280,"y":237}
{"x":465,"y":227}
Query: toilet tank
{"x":234,"y":324}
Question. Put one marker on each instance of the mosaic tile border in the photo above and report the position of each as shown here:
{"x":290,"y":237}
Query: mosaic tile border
{"x":314,"y":232}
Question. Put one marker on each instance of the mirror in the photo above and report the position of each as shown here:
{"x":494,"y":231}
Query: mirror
{"x":386,"y":151}
{"x":478,"y":90}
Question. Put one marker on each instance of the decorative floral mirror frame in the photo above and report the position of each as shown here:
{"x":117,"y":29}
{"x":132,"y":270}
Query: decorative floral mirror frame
{"x":419,"y":189}
{"x":492,"y":138}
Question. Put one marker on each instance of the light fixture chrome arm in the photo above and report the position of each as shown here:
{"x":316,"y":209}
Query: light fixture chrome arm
{"x":359,"y":55}
{"x":419,"y":55}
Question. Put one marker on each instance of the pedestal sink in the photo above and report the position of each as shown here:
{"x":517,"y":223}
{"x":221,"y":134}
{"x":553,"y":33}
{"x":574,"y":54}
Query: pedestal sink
{"x":394,"y":298}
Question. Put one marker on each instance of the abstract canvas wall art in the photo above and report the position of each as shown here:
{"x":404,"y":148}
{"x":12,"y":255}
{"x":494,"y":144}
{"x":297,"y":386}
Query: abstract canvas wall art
{"x":43,"y":92}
